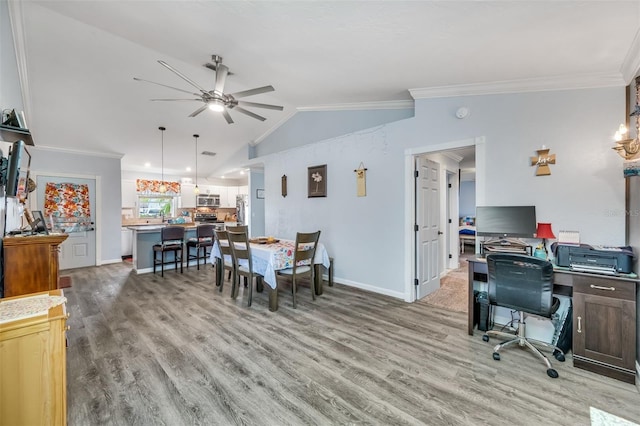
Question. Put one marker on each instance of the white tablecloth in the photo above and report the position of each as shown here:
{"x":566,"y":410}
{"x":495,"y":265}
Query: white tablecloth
{"x":269,"y":258}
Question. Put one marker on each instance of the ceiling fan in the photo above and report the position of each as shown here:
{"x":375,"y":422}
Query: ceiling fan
{"x":216,"y":99}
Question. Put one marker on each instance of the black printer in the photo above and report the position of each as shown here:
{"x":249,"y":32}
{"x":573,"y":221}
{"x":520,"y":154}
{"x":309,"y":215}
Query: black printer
{"x":596,"y":259}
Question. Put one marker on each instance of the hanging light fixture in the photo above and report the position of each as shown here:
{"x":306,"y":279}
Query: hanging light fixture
{"x":196,"y":190}
{"x":163,"y":188}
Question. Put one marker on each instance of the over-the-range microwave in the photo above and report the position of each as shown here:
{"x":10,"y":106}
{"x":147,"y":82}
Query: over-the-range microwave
{"x":208,"y":200}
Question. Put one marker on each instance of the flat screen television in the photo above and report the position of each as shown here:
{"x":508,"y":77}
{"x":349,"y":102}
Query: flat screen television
{"x":506,"y":221}
{"x":18,"y":171}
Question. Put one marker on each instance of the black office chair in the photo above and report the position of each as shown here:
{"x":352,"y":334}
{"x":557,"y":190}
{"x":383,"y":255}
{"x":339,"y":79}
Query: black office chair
{"x":522,"y":283}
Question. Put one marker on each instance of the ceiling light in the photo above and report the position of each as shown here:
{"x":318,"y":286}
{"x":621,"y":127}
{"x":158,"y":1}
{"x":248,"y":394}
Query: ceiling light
{"x":216,"y":105}
{"x":188,"y":168}
{"x":147,"y":164}
{"x":241,"y":172}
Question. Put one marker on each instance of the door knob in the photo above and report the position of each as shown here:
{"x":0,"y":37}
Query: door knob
{"x":440,"y":232}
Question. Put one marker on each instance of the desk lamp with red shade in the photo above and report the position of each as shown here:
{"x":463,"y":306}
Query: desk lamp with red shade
{"x":544,"y":232}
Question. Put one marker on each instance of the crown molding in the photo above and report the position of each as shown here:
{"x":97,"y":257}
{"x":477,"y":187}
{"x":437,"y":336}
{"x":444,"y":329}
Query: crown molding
{"x":77,"y":152}
{"x":586,"y":81}
{"x":361,"y":106}
{"x":631,"y":64}
{"x":16,"y":18}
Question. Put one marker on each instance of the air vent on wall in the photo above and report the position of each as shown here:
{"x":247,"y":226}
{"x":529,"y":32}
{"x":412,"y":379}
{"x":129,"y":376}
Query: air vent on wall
{"x":209,"y":153}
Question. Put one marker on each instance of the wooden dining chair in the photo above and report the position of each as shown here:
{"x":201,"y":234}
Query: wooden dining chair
{"x":172,"y":240}
{"x":305,"y":251}
{"x":204,"y":238}
{"x":226,"y":262}
{"x":242,"y":262}
{"x":238,"y":228}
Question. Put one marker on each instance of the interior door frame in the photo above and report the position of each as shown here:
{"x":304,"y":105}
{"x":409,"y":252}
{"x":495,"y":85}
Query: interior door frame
{"x":97,"y":210}
{"x":410,"y":200}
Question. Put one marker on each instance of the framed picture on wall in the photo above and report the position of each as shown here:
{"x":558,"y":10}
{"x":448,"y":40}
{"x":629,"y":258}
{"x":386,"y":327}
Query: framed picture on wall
{"x":260,"y":194}
{"x":317,"y":178}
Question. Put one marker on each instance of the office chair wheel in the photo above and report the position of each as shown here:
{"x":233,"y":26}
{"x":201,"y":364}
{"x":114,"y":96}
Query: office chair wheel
{"x":485,"y":338}
{"x":496,"y":356}
{"x":559,"y":356}
{"x":552,"y":373}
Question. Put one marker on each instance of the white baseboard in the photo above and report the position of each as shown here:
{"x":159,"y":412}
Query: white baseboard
{"x":109,"y":261}
{"x":637,"y":375}
{"x":367,"y":287}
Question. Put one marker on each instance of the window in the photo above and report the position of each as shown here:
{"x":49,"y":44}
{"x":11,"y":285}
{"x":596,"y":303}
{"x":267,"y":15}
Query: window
{"x":156,"y":206}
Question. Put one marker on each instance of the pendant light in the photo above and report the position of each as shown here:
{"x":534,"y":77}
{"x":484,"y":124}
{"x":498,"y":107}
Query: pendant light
{"x":196,"y":190}
{"x":163,"y":188}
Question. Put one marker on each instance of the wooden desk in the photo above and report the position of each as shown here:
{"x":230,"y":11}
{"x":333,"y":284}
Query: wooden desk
{"x":604,"y":318}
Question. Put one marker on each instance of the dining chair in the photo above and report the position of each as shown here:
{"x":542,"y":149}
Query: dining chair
{"x":172,"y":240}
{"x":305,"y":251}
{"x":237,"y":228}
{"x":225,"y":263}
{"x":204,"y":238}
{"x":242,"y":262}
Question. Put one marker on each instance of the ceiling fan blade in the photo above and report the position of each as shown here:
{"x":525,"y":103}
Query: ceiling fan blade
{"x":249,"y":113}
{"x":198,"y":111}
{"x":190,"y":100}
{"x":227,"y":117}
{"x":164,"y":85}
{"x":252,"y":92}
{"x":182,"y":76}
{"x":257,"y":105}
{"x":221,"y":77}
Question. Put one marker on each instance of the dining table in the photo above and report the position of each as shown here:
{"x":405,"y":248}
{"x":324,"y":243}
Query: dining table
{"x":269,"y":257}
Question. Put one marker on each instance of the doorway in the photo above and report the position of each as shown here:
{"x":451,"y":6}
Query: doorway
{"x":79,"y":249}
{"x":415,"y":260}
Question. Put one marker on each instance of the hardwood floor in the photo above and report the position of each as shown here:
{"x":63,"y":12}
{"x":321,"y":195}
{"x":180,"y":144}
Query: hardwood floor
{"x":144,"y":350}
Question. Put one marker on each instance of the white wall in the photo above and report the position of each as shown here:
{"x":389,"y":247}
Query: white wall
{"x":585,"y":191}
{"x":256,"y":205}
{"x":10,"y":91}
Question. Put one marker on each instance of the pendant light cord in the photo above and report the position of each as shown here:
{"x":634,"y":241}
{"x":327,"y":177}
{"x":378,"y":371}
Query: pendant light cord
{"x":196,"y":136}
{"x":162,"y":129}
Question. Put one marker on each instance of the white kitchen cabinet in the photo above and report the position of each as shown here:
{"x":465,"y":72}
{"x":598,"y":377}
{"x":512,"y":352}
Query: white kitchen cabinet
{"x":243,"y":190}
{"x":187,"y":195}
{"x":129,"y":194}
{"x":232,"y":193}
{"x":126,"y":242}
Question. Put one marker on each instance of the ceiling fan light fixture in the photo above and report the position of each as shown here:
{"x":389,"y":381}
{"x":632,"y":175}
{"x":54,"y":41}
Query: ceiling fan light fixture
{"x":216,"y":105}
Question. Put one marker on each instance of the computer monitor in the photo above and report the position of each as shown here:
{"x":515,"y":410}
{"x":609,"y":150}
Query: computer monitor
{"x":506,"y":221}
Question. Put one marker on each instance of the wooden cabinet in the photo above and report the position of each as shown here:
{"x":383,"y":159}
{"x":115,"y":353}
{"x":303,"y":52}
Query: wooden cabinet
{"x":33,"y":375}
{"x":31,"y":263}
{"x":604,"y":326}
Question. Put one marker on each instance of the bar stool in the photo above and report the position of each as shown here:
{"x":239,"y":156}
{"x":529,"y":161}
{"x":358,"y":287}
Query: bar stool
{"x":173,"y":241}
{"x":204,"y":238}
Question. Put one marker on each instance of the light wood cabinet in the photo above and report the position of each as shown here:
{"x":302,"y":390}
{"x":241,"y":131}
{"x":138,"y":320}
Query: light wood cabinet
{"x":31,"y":263}
{"x":33,"y":374}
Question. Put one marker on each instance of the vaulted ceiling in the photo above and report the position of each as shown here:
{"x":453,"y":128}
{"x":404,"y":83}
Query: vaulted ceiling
{"x":77,"y":61}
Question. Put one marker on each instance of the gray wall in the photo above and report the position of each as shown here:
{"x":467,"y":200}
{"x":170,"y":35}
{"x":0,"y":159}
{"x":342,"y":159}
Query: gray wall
{"x":366,"y":235}
{"x":313,"y":126}
{"x":467,"y":199}
{"x":108,"y":169}
{"x":256,"y":205}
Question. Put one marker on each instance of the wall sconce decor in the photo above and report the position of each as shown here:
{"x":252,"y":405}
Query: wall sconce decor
{"x":542,"y":161}
{"x":626,"y":147}
{"x":284,"y":185}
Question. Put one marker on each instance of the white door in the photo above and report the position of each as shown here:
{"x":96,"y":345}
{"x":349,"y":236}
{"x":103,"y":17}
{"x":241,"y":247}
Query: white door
{"x":428,"y":226}
{"x":79,"y":249}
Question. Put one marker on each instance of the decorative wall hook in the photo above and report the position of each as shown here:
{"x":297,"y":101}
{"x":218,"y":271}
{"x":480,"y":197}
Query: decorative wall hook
{"x":284,"y":185}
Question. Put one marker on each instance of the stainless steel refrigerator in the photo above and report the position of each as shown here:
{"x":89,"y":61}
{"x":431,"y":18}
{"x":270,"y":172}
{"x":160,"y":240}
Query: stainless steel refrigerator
{"x":242,"y":209}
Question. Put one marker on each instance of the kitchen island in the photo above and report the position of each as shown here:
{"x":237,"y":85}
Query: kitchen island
{"x":144,"y":238}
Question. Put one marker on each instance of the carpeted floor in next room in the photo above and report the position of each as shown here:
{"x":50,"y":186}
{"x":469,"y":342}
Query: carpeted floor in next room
{"x":452,"y":294}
